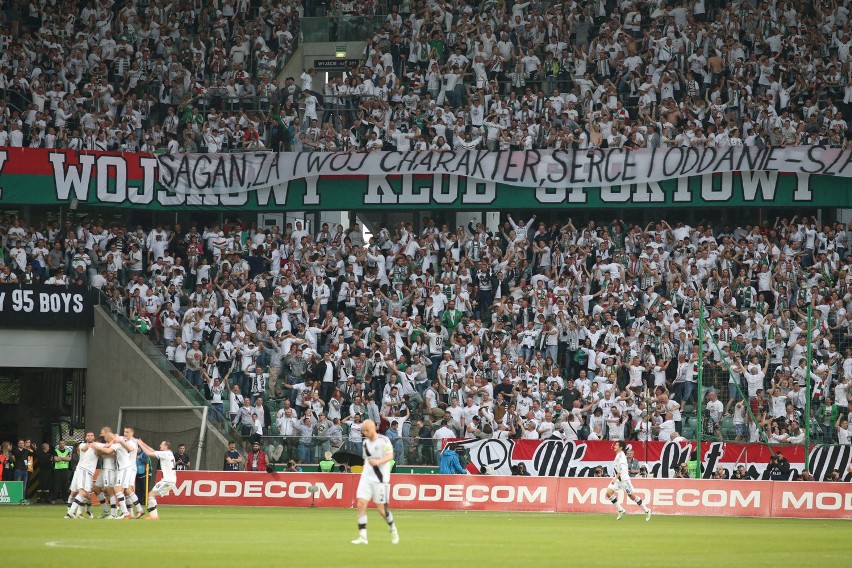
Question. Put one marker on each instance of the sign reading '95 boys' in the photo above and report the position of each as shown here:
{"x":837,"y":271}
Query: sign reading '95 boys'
{"x":46,"y":307}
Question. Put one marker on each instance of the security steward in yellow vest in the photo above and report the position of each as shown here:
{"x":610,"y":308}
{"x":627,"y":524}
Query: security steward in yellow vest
{"x":61,"y":471}
{"x":326,"y":465}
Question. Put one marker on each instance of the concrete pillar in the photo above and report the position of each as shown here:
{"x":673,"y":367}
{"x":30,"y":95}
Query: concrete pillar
{"x":492,"y":221}
{"x":333,"y":218}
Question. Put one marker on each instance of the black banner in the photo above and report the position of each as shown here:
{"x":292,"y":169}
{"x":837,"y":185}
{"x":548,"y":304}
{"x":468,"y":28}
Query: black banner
{"x":46,"y":307}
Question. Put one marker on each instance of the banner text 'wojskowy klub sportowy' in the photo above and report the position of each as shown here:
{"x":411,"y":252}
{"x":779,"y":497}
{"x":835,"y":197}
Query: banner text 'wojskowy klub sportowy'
{"x":470,"y":180}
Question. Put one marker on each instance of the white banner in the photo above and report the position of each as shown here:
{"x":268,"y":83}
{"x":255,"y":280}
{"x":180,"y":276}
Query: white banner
{"x":555,"y":457}
{"x":241,"y":172}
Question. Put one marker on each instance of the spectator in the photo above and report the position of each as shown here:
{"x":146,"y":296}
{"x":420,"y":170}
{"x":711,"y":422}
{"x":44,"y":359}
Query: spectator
{"x":182,"y":461}
{"x":305,"y":433}
{"x":44,"y":462}
{"x":425,"y":443}
{"x":321,"y":442}
{"x":450,"y":463}
{"x":233,"y":459}
{"x":245,"y":421}
{"x":193,"y":363}
{"x":22,"y":457}
{"x":335,"y":435}
{"x":7,"y":461}
{"x":256,"y":458}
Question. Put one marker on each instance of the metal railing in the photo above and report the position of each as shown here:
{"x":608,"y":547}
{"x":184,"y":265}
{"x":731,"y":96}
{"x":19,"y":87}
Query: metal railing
{"x":408,"y":450}
{"x":158,"y":358}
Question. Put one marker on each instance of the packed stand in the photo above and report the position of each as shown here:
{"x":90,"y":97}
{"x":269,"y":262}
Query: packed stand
{"x":141,"y":75}
{"x":543,"y":75}
{"x":433,"y":77}
{"x":532,"y":331}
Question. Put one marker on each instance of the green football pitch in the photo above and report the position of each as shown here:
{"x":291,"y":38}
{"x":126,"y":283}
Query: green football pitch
{"x":249,"y":537}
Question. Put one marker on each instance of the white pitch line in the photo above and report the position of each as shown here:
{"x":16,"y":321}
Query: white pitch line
{"x":80,"y":545}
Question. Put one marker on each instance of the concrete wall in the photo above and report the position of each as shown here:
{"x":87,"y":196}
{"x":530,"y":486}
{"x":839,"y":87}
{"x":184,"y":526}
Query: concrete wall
{"x":312,"y":51}
{"x":293,"y":67}
{"x":120,"y":374}
{"x":305,"y":55}
{"x":41,"y":348}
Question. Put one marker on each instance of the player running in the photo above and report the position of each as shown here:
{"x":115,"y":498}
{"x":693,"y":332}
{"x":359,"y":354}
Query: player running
{"x":375,"y":481}
{"x":621,"y":482}
{"x":167,"y":466}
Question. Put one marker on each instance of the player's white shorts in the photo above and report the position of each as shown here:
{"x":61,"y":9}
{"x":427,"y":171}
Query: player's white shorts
{"x":75,"y":480}
{"x":82,"y":480}
{"x":163,"y":488}
{"x":105,"y":479}
{"x":109,"y":476}
{"x":617,"y":485}
{"x":126,"y":477}
{"x":378,"y":492}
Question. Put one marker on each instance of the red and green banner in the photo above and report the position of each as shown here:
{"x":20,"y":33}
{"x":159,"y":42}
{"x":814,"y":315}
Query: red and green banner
{"x":559,"y":458}
{"x":406,"y":181}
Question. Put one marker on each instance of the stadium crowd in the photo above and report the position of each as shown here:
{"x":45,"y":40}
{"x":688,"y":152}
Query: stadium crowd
{"x":131,"y":75}
{"x":530,"y":331}
{"x":157,"y":76}
{"x":545,"y":329}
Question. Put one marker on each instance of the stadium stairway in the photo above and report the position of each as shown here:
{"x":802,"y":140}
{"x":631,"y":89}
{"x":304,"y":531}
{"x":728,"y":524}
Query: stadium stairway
{"x":127,"y":370}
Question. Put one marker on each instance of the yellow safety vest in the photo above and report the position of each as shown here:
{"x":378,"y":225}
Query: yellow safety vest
{"x":62,"y":464}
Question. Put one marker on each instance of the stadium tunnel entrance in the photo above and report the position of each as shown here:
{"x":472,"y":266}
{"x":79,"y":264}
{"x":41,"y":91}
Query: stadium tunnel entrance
{"x":42,"y":403}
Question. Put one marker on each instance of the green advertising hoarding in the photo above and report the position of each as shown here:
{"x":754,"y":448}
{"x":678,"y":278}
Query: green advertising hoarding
{"x":11,"y":492}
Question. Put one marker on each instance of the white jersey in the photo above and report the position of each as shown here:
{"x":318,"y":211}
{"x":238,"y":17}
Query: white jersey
{"x":88,"y":458}
{"x":377,"y":449}
{"x":436,"y":343}
{"x":167,"y":466}
{"x":108,"y":462}
{"x":620,"y":466}
{"x":126,"y":459}
{"x":134,"y":453}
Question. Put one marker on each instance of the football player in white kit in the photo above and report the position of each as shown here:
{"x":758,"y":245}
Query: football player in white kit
{"x":621,"y":482}
{"x":167,"y":483}
{"x":86,"y":469}
{"x":375,"y":481}
{"x":125,"y":449}
{"x":77,"y":478}
{"x":105,"y":483}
